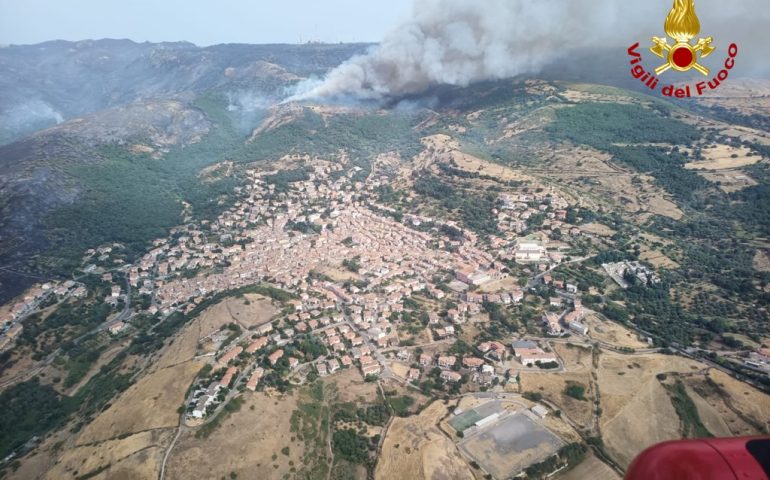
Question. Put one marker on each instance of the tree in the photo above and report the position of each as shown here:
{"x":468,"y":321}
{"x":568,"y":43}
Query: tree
{"x":575,"y":390}
{"x":349,"y":445}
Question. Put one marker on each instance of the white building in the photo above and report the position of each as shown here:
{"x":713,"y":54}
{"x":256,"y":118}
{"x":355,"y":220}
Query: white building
{"x":578,"y":327}
{"x":540,"y":411}
{"x":530,"y":251}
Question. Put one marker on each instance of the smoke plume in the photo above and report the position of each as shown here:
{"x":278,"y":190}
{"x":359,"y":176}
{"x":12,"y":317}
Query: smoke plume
{"x":459,"y":42}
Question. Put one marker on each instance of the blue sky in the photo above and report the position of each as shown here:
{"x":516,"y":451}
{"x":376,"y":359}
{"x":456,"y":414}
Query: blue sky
{"x":204,"y":22}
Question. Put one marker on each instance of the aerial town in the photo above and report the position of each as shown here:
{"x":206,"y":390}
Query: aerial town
{"x":349,"y":271}
{"x":287,"y":237}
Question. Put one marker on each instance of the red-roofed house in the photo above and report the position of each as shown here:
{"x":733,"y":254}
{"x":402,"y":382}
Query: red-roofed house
{"x":255,"y":378}
{"x":275,"y":356}
{"x":447,"y":362}
{"x":227,"y":379}
{"x":473,"y":362}
{"x":450,"y":376}
{"x":257,"y":344}
{"x":231,"y":354}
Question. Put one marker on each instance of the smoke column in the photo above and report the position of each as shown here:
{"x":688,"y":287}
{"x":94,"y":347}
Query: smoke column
{"x":459,"y":42}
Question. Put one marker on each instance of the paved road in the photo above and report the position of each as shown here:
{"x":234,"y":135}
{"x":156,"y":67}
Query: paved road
{"x":537,"y":279}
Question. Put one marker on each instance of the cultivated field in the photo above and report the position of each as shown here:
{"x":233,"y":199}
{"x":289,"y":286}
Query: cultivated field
{"x":656,"y":258}
{"x":448,"y":151}
{"x":598,"y":229}
{"x":595,"y":181}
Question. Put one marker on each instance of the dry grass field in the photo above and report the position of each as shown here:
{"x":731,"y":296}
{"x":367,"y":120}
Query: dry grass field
{"x":337,"y":272}
{"x":761,"y":261}
{"x":590,"y":469}
{"x":724,"y":157}
{"x":401,"y":370}
{"x":551,"y":385}
{"x":612,"y":333}
{"x":351,"y":387}
{"x":447,"y":150}
{"x":131,"y":436}
{"x":621,"y":377}
{"x":151,"y":403}
{"x":136,"y":456}
{"x":598,"y":229}
{"x":249,"y":311}
{"x":635,"y":404}
{"x":648,"y":417}
{"x":248,"y":442}
{"x":416,"y":449}
{"x":743,"y":408}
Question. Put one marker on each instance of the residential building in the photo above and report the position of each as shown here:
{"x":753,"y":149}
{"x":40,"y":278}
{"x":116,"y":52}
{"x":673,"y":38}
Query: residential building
{"x":447,"y":362}
{"x":450,"y":376}
{"x":254,"y":379}
{"x":551,"y":321}
{"x":227,"y":379}
{"x":473,"y":362}
{"x":117,"y":327}
{"x":275,"y":356}
{"x":230,"y":355}
{"x":257,"y":344}
{"x":426,"y":360}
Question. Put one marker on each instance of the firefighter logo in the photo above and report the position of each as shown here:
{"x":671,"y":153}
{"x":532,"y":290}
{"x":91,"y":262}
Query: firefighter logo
{"x":682,"y":25}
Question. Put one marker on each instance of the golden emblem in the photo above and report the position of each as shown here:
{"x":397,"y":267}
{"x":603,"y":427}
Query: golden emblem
{"x":682,"y":25}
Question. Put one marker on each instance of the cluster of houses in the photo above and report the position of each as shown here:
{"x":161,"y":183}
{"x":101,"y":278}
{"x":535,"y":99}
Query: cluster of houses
{"x":485,"y":368}
{"x":573,"y":320}
{"x":11,"y":322}
{"x":257,"y":240}
{"x":516,"y":211}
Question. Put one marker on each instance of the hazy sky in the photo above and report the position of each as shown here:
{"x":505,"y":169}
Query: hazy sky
{"x":204,"y":22}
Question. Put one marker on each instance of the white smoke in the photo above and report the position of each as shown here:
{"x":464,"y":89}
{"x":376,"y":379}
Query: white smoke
{"x":27,"y":117}
{"x":459,"y":42}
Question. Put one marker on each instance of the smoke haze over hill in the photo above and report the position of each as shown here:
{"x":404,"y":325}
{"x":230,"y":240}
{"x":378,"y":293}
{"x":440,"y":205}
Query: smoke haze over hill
{"x":458,"y":42}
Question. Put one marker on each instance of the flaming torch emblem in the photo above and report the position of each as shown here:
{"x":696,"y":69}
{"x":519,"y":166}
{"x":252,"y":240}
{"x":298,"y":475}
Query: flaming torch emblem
{"x":682,"y":25}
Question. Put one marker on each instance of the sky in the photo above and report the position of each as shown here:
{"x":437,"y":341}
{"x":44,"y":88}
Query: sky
{"x":203,"y":22}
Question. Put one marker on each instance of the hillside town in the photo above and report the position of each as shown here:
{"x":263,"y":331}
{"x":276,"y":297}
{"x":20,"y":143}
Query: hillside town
{"x":288,"y":233}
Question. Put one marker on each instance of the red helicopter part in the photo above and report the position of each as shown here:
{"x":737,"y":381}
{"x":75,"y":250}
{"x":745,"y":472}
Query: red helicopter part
{"x":704,"y":459}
